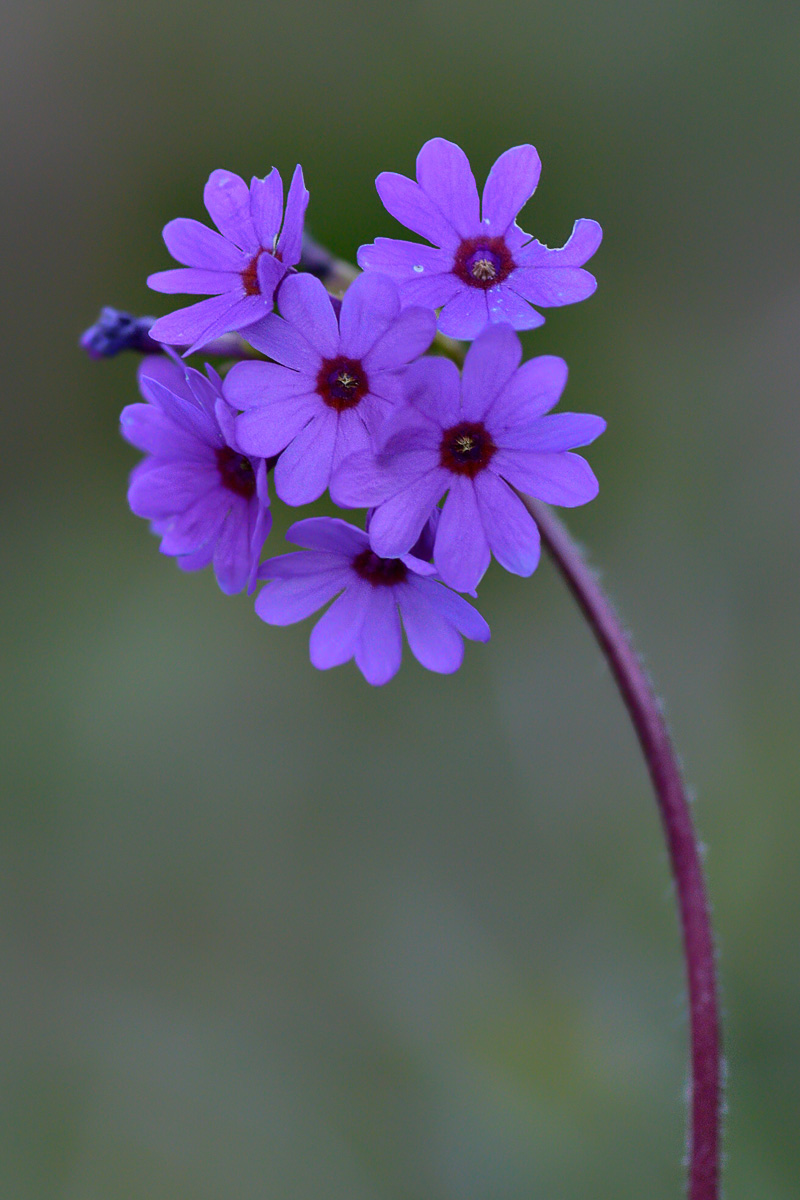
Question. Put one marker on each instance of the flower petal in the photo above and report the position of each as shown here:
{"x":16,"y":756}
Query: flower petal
{"x":379,"y":649}
{"x":431,"y":291}
{"x":397,"y":523}
{"x":330,"y":534}
{"x":582,"y":243}
{"x":198,"y":559}
{"x":511,"y":531}
{"x":511,"y":183}
{"x":253,"y":384}
{"x":466,"y":314}
{"x":227,"y":199}
{"x":458,"y":611}
{"x":369,"y":307}
{"x":505,"y":304}
{"x":183,"y":327}
{"x":195,"y":419}
{"x":268,"y":429}
{"x":553,"y":277}
{"x":290,"y":243}
{"x":232,"y":558}
{"x":164,"y":489}
{"x":285,"y":601}
{"x":559,"y":431}
{"x":565,"y":479}
{"x":167,"y":369}
{"x":260,"y":525}
{"x":269,"y":271}
{"x":302,"y":563}
{"x":151,"y":430}
{"x":444,"y":174}
{"x":197,"y":527}
{"x":192,"y":281}
{"x":196,"y":245}
{"x":530,"y":392}
{"x":360,"y":482}
{"x":266,"y":208}
{"x":433,"y":387}
{"x":461,"y":551}
{"x":403,"y":260}
{"x":409,"y":336}
{"x":352,"y":436}
{"x":335,"y":636}
{"x":287,"y":345}
{"x":489,"y":366}
{"x":303,"y":470}
{"x":431,"y":638}
{"x":243,"y":313}
{"x":305,"y":304}
{"x":408,"y":204}
{"x":552,"y":287}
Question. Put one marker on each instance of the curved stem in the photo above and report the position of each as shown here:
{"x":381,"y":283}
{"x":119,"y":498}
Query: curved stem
{"x":687,"y":870}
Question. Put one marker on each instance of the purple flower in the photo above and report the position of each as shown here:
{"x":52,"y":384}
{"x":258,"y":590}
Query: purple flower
{"x":334,"y":380}
{"x":239,"y":267}
{"x":484,"y":268}
{"x":201,"y":494}
{"x":364,"y":621}
{"x":473,"y":438}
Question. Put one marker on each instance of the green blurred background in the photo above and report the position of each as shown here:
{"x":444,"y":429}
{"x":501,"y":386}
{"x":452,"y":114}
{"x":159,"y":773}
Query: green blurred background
{"x":268,"y":932}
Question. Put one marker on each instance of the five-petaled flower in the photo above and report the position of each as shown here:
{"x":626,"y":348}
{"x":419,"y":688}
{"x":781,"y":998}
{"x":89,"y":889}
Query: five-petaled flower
{"x":364,"y":622}
{"x":334,"y":381}
{"x":206,"y":499}
{"x":476,"y":438}
{"x":239,"y":267}
{"x":482,"y":267}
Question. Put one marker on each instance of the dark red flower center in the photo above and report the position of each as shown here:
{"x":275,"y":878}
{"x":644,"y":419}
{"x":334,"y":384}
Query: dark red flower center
{"x":380,"y":572}
{"x":250,"y":274}
{"x":466,"y":448}
{"x":342,"y":383}
{"x":236,"y":472}
{"x":483,"y":262}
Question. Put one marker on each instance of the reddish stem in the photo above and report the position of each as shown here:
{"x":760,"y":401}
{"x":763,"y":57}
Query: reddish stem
{"x":673,"y":803}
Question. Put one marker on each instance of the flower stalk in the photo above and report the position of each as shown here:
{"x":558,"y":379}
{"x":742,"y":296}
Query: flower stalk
{"x":682,"y":844}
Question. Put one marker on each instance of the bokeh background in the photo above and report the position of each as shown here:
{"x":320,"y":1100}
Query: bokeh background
{"x":267,"y":932}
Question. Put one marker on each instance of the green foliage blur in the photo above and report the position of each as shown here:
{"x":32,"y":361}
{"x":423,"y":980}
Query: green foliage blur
{"x":267,"y":932}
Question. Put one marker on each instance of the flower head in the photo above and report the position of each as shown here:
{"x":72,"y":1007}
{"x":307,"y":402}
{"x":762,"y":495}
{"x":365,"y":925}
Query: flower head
{"x":206,"y":499}
{"x":476,"y":438}
{"x":483,"y":268}
{"x":334,"y":380}
{"x":364,"y":622}
{"x":239,"y":267}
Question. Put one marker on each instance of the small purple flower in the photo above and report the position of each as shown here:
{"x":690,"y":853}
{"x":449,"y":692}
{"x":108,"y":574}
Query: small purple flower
{"x":483,"y":268}
{"x":334,"y":380}
{"x":201,"y":494}
{"x":239,"y":267}
{"x":364,"y":621}
{"x":473,"y":438}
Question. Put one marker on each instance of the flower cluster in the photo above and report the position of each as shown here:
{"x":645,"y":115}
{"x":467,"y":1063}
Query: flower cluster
{"x":358,"y":394}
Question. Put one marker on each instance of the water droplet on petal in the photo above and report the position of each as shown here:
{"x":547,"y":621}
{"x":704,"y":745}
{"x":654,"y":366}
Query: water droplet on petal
{"x":419,"y":269}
